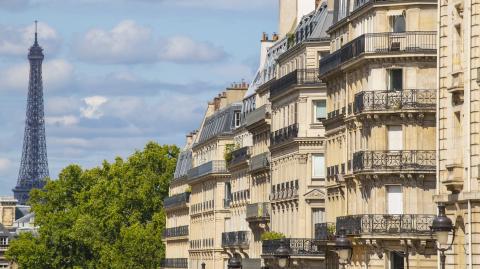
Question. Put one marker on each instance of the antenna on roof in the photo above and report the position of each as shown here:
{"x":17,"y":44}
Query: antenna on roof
{"x":36,"y":28}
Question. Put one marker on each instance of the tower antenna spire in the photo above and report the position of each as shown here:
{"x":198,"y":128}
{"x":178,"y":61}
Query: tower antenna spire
{"x":36,"y":28}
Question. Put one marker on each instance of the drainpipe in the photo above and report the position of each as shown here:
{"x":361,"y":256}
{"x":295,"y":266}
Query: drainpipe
{"x":468,"y":15}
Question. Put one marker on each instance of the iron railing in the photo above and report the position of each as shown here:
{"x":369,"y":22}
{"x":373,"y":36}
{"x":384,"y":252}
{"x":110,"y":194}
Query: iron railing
{"x":394,"y":100}
{"x":239,"y":156}
{"x":405,"y":42}
{"x":260,"y":161}
{"x":284,"y":134}
{"x":176,"y":200}
{"x":385,"y":224}
{"x":235,"y":239}
{"x":257,"y":115}
{"x":258,"y":211}
{"x":297,"y":77}
{"x":174,"y":263}
{"x":298,"y":246}
{"x":218,"y":166}
{"x":325,"y":231}
{"x":421,"y":160}
{"x":175,"y":231}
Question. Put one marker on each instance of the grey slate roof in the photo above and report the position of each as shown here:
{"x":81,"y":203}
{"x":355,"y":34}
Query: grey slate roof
{"x":184,"y":163}
{"x":222,"y":122}
{"x":314,"y":25}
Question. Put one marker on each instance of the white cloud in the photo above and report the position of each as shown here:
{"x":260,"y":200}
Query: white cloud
{"x":15,"y":41}
{"x":5,"y":165}
{"x":130,"y":43}
{"x":67,"y":120}
{"x":56,"y":74}
{"x":93,"y":105}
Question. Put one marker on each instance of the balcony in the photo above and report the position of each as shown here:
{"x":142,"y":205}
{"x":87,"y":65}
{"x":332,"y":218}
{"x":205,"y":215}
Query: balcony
{"x":389,"y":101}
{"x":285,"y":194}
{"x":178,"y":200}
{"x":238,"y":156}
{"x":304,"y":77}
{"x":325,"y":231}
{"x":259,"y":162}
{"x":174,"y":263}
{"x":175,"y":231}
{"x":298,"y":247}
{"x":385,"y":224}
{"x":211,"y":167}
{"x":380,"y":43}
{"x":334,"y":116}
{"x":394,"y":160}
{"x":284,"y":134}
{"x":235,"y":239}
{"x":258,"y":212}
{"x":257,"y":116}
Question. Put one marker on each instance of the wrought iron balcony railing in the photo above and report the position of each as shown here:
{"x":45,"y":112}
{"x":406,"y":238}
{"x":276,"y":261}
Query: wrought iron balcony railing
{"x":235,"y":239}
{"x":176,"y":200}
{"x":394,"y":100}
{"x":175,"y":231}
{"x":258,"y":212}
{"x":385,"y":224}
{"x":257,"y":115}
{"x":260,"y":161}
{"x":367,"y":161}
{"x":390,"y":43}
{"x":174,"y":263}
{"x":284,"y":134}
{"x":239,"y":156}
{"x":297,"y":77}
{"x":218,"y":166}
{"x":298,"y":246}
{"x":325,"y":231}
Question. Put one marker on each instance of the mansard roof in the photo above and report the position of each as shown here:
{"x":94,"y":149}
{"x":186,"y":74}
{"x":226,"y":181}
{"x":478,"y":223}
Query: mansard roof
{"x":184,"y":163}
{"x":220,"y":123}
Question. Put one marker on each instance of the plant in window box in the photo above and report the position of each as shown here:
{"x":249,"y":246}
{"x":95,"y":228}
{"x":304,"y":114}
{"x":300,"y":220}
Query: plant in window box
{"x":272,"y":236}
{"x":227,"y":155}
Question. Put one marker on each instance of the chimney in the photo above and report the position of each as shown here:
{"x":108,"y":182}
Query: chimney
{"x":264,"y":37}
{"x":287,"y":16}
{"x":317,"y":3}
{"x":304,"y":7}
{"x":275,"y":37}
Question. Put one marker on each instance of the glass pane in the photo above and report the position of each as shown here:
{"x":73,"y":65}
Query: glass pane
{"x":320,"y":110}
{"x":318,"y":166}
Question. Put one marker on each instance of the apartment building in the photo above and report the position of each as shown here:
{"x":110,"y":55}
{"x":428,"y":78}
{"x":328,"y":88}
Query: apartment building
{"x":298,"y":102}
{"x":7,"y":230}
{"x":458,"y":122}
{"x":380,"y":130}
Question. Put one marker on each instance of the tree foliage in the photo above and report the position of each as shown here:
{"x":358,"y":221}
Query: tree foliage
{"x":107,"y":217}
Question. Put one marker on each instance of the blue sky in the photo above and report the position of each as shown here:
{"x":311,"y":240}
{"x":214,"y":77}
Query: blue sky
{"x":119,"y":73}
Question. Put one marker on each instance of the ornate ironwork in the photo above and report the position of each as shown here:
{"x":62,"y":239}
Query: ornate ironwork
{"x":218,"y":166}
{"x":296,"y":77}
{"x":298,"y":246}
{"x":175,"y":231}
{"x":174,"y":263}
{"x":34,"y":164}
{"x":394,"y":100}
{"x":406,"y":42}
{"x":235,"y":239}
{"x":421,"y":160}
{"x":325,"y":231}
{"x":258,"y":212}
{"x":385,"y":224}
{"x":261,"y":161}
{"x":284,"y":134}
{"x":239,"y":156}
{"x":176,"y":200}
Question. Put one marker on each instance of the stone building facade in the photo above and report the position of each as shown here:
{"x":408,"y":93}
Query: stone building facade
{"x":458,"y":167}
{"x":380,"y":130}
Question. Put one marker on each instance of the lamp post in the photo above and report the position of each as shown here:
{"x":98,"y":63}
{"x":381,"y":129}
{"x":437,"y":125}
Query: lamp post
{"x":283,"y":254}
{"x":343,"y":247}
{"x":442,"y":226}
{"x":234,"y":263}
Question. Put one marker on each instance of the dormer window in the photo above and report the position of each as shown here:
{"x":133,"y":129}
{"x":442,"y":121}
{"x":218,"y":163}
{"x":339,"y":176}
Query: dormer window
{"x":237,"y":119}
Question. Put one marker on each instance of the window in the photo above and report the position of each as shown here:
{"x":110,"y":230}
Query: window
{"x":398,"y":24}
{"x":237,"y":119}
{"x":320,"y":110}
{"x":394,"y":199}
{"x":318,"y":216}
{"x":395,"y":78}
{"x":3,"y":241}
{"x":318,"y":166}
{"x":395,"y":137}
{"x":396,"y":260}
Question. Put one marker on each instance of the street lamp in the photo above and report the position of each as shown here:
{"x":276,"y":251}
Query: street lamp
{"x":343,"y":247}
{"x":234,"y":263}
{"x":442,"y":226}
{"x":283,"y":253}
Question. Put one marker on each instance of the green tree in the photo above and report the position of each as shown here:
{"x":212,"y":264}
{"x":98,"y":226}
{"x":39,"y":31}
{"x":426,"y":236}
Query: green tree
{"x":106,"y":217}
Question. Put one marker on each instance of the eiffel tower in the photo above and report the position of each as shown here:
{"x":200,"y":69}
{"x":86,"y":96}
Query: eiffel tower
{"x":34,"y":164}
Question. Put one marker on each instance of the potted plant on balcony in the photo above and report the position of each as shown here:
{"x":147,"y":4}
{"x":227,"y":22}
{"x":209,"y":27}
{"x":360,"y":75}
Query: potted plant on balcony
{"x":272,"y":236}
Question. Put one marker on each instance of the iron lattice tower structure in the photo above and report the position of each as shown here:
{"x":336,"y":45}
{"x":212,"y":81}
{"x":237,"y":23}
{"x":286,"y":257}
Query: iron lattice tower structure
{"x":34,"y":164}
